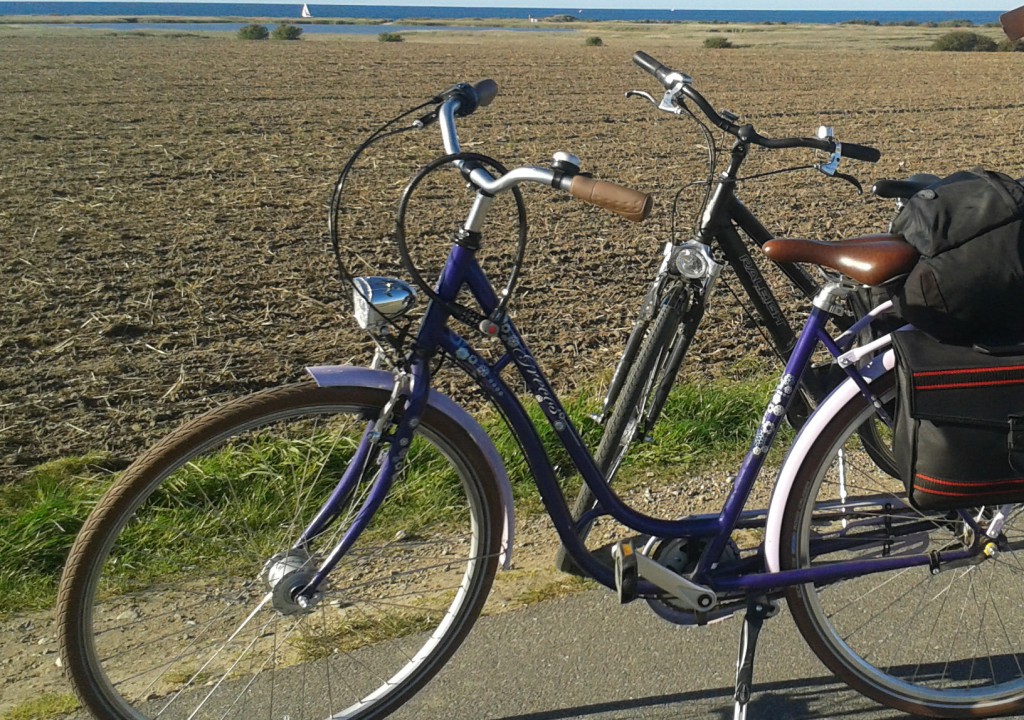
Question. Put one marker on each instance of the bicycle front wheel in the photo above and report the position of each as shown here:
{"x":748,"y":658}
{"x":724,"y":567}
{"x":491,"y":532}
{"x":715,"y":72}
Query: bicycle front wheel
{"x":941,"y":645}
{"x":175,"y":604}
{"x":629,"y":410}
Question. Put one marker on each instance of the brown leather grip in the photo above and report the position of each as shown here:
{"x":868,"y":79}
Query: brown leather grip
{"x":1013,"y":23}
{"x":630,"y":204}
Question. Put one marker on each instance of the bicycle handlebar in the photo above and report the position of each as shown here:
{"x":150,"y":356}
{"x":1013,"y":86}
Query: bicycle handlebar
{"x":681,"y":83}
{"x":630,"y":204}
{"x":655,"y":68}
{"x":463,"y":99}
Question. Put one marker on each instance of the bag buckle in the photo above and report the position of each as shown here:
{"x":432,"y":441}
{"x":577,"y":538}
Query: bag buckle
{"x":1015,"y":442}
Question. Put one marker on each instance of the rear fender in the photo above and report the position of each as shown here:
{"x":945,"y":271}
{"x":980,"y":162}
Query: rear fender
{"x":844,"y":393}
{"x":350,"y":376}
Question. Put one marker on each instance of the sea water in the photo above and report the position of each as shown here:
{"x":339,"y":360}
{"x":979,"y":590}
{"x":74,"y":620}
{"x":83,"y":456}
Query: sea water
{"x":399,"y":12}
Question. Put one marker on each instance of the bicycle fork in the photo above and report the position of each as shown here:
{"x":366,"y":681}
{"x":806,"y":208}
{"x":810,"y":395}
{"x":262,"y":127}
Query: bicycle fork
{"x":293,"y":582}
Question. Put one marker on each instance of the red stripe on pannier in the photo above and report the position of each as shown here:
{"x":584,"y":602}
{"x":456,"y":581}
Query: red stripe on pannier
{"x":971,"y":495}
{"x":952,"y":386}
{"x":994,"y":483}
{"x":963,"y":371}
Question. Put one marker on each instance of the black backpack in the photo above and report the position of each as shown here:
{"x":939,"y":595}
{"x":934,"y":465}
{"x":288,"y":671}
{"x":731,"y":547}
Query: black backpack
{"x":968,"y":285}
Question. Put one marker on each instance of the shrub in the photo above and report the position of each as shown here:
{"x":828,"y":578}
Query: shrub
{"x":254,"y":32}
{"x":956,"y":23}
{"x":390,"y":37}
{"x":964,"y":41}
{"x":594,"y":41}
{"x":286,"y":32}
{"x":560,"y":18}
{"x":717,"y":42}
{"x":1008,"y":45}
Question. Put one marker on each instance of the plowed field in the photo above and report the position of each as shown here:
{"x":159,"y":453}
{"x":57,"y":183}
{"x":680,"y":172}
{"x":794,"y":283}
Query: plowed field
{"x":163,"y":199}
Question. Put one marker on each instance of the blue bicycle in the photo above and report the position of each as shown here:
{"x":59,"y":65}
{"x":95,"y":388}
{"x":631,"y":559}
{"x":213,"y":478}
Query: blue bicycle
{"x":321,"y":550}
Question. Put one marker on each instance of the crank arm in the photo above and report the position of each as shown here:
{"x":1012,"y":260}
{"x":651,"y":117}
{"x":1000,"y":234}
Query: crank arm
{"x":693,"y":596}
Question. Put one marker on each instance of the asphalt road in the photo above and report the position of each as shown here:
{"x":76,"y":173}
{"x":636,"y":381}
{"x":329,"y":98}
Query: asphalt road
{"x":588,"y":657}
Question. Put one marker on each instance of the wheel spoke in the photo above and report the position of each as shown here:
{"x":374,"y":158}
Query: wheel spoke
{"x":226,"y":497}
{"x":934,"y":644}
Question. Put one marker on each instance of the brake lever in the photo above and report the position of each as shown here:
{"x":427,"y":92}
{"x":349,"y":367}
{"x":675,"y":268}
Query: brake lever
{"x":831,"y":168}
{"x":641,"y":94}
{"x":850,"y":179}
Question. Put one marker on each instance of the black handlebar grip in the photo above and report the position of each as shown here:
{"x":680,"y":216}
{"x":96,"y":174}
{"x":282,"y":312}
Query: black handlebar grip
{"x":486,"y":91}
{"x":892,"y":189}
{"x":861,"y":152}
{"x":648,"y":64}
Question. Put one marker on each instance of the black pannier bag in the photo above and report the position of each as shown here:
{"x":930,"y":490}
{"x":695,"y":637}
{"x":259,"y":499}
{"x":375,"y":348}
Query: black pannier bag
{"x":959,"y":433}
{"x":968,"y":285}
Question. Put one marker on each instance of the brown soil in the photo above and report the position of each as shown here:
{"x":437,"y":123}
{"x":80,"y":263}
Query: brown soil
{"x":163,"y":200}
{"x":163,"y":205}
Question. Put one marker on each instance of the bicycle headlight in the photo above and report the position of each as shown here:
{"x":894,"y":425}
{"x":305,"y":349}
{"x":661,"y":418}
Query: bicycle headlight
{"x":692,"y":262}
{"x":378,"y":300}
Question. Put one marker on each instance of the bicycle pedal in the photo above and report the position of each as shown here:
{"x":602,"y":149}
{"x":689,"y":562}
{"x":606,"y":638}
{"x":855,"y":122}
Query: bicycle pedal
{"x":626,"y":573}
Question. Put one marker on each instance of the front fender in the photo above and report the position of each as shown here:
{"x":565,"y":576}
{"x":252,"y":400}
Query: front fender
{"x":351,"y":376}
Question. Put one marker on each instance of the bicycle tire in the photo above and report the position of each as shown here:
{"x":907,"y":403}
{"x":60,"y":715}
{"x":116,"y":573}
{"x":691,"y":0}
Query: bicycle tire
{"x":629,"y":353}
{"x":162,"y":607}
{"x":908,"y":639}
{"x":628,"y":411}
{"x":876,"y":439}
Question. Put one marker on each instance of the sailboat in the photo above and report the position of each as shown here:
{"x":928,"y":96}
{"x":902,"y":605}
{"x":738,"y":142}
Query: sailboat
{"x":305,"y":11}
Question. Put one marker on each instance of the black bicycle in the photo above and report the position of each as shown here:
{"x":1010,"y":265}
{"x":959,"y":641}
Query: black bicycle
{"x":726,"y":234}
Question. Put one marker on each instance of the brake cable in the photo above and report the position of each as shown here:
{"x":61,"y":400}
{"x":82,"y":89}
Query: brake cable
{"x":339,"y":185}
{"x":461,"y":312}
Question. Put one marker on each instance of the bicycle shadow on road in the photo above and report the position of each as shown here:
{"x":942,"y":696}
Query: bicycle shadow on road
{"x":814,"y":698}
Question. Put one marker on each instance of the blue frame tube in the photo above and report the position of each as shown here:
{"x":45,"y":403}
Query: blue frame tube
{"x":831,"y":573}
{"x":349,"y":480}
{"x":399,"y":443}
{"x":718,"y":528}
{"x":462,"y":270}
{"x":774,"y":416}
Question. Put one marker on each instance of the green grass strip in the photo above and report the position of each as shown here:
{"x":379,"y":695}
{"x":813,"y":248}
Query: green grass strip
{"x":702,"y":422}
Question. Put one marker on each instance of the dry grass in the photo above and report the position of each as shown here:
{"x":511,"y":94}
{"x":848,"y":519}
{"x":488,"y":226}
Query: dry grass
{"x":163,"y":200}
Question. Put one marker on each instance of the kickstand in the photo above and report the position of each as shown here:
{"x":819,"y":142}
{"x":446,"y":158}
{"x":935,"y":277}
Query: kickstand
{"x":759,"y":609}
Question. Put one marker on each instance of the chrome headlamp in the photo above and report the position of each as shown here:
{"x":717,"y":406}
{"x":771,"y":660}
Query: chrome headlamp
{"x":379,"y":300}
{"x":693,"y":261}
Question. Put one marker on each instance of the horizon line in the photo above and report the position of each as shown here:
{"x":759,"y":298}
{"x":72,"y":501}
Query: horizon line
{"x":517,"y":6}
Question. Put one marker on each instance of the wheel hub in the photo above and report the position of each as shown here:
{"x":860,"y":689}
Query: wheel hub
{"x":287,"y":574}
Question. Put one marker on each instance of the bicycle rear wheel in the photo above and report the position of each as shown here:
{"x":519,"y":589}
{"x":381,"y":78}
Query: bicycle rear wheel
{"x":175,"y":598}
{"x":942,"y":645}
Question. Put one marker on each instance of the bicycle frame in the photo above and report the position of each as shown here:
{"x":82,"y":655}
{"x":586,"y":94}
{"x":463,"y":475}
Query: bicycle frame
{"x":725,"y":213}
{"x":461,"y":271}
{"x":413,"y":388}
